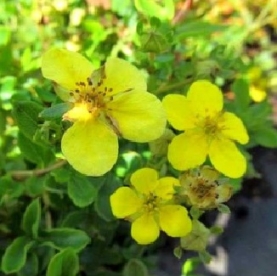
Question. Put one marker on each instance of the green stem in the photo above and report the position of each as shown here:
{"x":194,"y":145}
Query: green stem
{"x":170,"y":87}
{"x":22,"y":175}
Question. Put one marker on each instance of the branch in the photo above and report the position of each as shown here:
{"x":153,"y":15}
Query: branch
{"x":23,"y":174}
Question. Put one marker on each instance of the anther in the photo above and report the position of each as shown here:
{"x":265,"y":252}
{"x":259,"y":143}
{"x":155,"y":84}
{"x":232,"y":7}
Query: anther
{"x":110,"y":90}
{"x":71,"y":94}
{"x":77,"y":90}
{"x":89,"y":81}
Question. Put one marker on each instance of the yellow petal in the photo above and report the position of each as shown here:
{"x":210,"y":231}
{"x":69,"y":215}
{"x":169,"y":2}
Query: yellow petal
{"x":226,"y":158}
{"x":145,"y":229}
{"x":124,"y":202}
{"x":174,"y":220}
{"x":65,"y":67}
{"x":79,"y":112}
{"x":90,"y":147}
{"x":205,"y":98}
{"x":187,"y":150}
{"x":122,"y":76}
{"x":145,"y":180}
{"x":234,"y":128}
{"x":178,"y":113}
{"x":139,"y":116}
{"x":165,"y":188}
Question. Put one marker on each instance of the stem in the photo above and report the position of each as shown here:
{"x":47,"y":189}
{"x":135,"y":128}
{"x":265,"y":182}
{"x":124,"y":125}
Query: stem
{"x":48,"y":217}
{"x":186,"y":6}
{"x":165,"y":88}
{"x":23,"y":174}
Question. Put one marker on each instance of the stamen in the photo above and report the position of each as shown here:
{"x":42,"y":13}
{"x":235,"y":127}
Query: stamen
{"x":128,"y":90}
{"x":89,"y":81}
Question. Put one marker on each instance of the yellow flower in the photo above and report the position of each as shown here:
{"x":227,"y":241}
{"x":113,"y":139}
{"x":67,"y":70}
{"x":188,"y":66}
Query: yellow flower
{"x":108,"y":102}
{"x":149,"y":204}
{"x":203,"y":189}
{"x":208,"y":131}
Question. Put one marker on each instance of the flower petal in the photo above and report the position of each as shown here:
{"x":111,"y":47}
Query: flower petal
{"x":178,"y":113}
{"x":124,"y":202}
{"x":165,"y":188}
{"x":90,"y":147}
{"x":65,"y":67}
{"x":145,"y":180}
{"x":205,"y":98}
{"x":174,"y":220}
{"x":187,"y":150}
{"x":226,"y":158}
{"x":122,"y":75}
{"x":139,"y":116}
{"x":145,"y":229}
{"x":234,"y":128}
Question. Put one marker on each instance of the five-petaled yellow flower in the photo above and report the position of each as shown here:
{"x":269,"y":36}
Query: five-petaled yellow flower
{"x":108,"y":102}
{"x":149,"y":204}
{"x":208,"y":130}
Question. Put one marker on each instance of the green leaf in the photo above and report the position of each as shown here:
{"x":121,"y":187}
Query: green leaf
{"x":5,"y":34}
{"x":155,"y":42}
{"x":216,"y":230}
{"x":35,"y":185}
{"x":178,"y":252}
{"x":242,"y":98}
{"x":64,"y":263}
{"x":164,"y":10}
{"x":9,"y":188}
{"x":224,"y":209}
{"x":31,"y":266}
{"x":55,"y":111}
{"x":74,"y":219}
{"x":26,"y":114}
{"x":31,"y":219}
{"x":33,"y":152}
{"x":205,"y":257}
{"x":61,"y":238}
{"x":102,"y":202}
{"x":197,"y":28}
{"x":190,"y":266}
{"x":81,"y":190}
{"x":135,"y":267}
{"x":15,"y":255}
{"x":266,"y":136}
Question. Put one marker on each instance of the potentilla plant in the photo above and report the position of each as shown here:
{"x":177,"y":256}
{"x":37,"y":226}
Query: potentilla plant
{"x":119,"y":131}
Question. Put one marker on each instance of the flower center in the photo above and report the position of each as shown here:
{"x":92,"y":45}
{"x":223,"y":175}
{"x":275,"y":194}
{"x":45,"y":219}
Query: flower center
{"x":211,"y":126}
{"x":89,"y":97}
{"x":151,"y":203}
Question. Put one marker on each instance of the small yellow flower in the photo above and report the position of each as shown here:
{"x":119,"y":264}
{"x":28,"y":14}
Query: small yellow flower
{"x":149,"y":204}
{"x":258,"y":84}
{"x":203,"y":189}
{"x":108,"y":102}
{"x":208,"y":131}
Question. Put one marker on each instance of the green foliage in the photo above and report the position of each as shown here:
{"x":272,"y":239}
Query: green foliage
{"x":31,"y":219}
{"x":61,"y":238}
{"x":135,"y":268}
{"x":55,"y":221}
{"x":16,"y":254}
{"x":64,"y":263}
{"x":81,"y":190}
